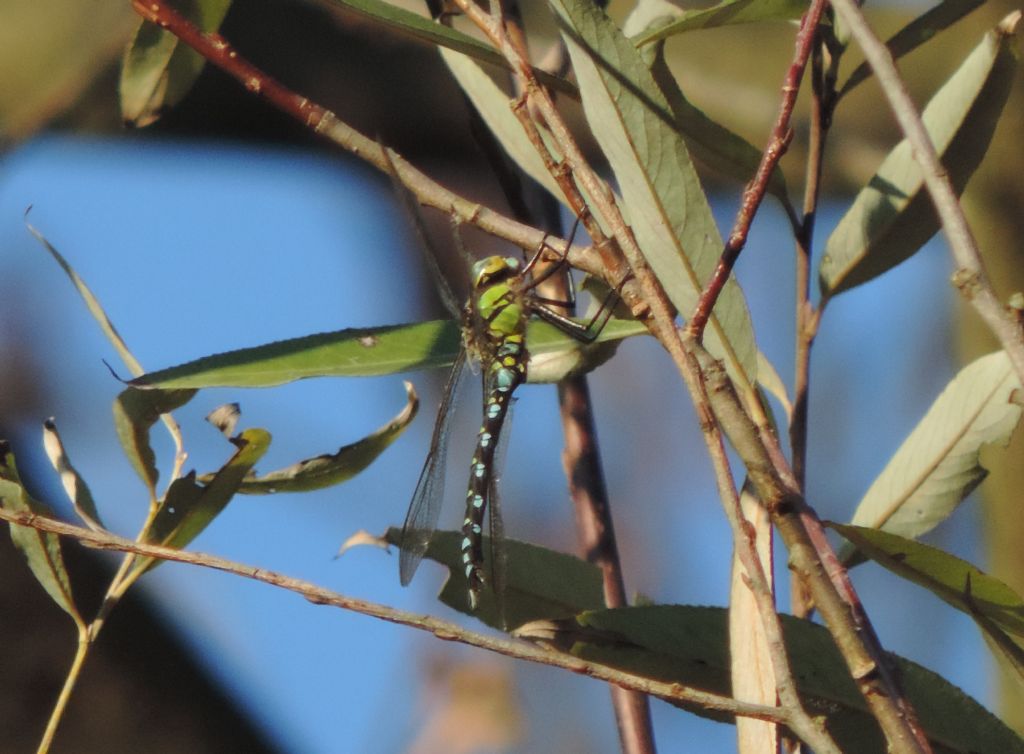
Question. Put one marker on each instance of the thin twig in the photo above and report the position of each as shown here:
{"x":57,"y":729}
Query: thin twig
{"x":970,"y":277}
{"x":755,"y":191}
{"x":670,"y":692}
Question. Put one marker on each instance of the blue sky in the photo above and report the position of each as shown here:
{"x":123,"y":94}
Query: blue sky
{"x":199,"y":248}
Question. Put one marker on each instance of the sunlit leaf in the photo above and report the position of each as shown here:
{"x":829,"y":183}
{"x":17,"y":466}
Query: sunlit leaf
{"x":41,"y":549}
{"x":726,"y":13}
{"x":711,"y":143}
{"x":158,"y":70}
{"x":353,"y":353}
{"x":688,"y":645}
{"x":329,"y":470}
{"x":916,"y":33}
{"x":189,"y":507}
{"x":892,"y":217}
{"x":135,"y":412}
{"x":538,"y":583}
{"x":938,"y":464}
{"x":493,"y":105}
{"x":949,"y":578}
{"x":74,"y":485}
{"x":664,"y":202}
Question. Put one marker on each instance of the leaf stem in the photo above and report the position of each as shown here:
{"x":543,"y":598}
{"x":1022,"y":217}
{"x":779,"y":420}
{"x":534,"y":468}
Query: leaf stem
{"x":74,"y":672}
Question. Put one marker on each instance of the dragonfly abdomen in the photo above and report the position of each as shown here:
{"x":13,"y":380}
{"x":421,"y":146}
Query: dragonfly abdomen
{"x":505,"y":373}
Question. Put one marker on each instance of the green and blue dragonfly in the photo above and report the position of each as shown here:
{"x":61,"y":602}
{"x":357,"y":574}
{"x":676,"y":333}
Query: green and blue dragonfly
{"x":502,"y":300}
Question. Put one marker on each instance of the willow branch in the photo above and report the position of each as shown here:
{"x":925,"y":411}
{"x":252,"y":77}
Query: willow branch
{"x":219,"y":52}
{"x":671,"y":692}
{"x":755,"y":191}
{"x":970,"y":277}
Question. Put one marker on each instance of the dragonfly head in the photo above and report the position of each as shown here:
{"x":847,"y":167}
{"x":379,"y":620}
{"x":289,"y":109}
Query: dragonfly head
{"x":495,"y":269}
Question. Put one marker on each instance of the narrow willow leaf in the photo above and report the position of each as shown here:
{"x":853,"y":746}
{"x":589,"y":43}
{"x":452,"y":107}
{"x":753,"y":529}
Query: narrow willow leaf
{"x":711,"y":143}
{"x":1008,"y":652}
{"x":425,"y":30}
{"x":938,"y":464}
{"x":915,"y":34}
{"x":188,"y":507}
{"x":949,"y":578}
{"x":93,"y":304}
{"x":664,"y":202}
{"x":538,"y":583}
{"x":158,"y":70}
{"x":353,"y":353}
{"x":329,"y":470}
{"x":493,"y":105}
{"x":688,"y":645}
{"x":768,"y":378}
{"x":752,"y":674}
{"x":892,"y":217}
{"x":41,"y":549}
{"x":135,"y":412}
{"x":726,"y":13}
{"x":74,"y":485}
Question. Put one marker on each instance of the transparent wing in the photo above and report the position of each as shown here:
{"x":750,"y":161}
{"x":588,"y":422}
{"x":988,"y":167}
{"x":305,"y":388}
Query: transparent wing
{"x":430,"y":256}
{"x":421,"y":519}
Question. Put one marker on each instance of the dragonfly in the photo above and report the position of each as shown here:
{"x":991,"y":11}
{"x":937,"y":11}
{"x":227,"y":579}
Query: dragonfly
{"x":503,"y":298}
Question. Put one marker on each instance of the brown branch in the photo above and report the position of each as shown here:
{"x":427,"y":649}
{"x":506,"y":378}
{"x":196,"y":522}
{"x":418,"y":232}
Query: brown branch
{"x":219,"y":52}
{"x":813,"y":558}
{"x":671,"y":692}
{"x":755,"y":191}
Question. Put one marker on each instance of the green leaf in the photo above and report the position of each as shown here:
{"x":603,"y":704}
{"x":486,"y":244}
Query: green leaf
{"x":949,"y":578}
{"x":664,"y":202}
{"x":710,"y":142}
{"x":995,"y":607}
{"x":425,"y":30}
{"x":352,"y":353}
{"x":135,"y":412}
{"x":74,"y":485}
{"x":938,"y":464}
{"x":158,"y":70}
{"x":188,"y":507}
{"x":539,"y":583}
{"x":689,"y":645}
{"x":329,"y":470}
{"x":915,"y":34}
{"x":41,"y":549}
{"x":726,"y":13}
{"x":892,"y":217}
{"x":93,"y":304}
{"x":493,"y":105}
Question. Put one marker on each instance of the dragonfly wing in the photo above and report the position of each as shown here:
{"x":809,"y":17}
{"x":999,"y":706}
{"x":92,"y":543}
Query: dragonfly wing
{"x":427,"y":500}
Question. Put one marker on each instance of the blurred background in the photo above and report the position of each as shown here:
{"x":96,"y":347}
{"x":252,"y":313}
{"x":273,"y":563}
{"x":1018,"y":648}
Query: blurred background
{"x":226,"y":225}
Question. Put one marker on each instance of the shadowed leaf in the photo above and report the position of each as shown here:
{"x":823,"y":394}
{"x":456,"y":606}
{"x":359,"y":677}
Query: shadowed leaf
{"x":725,"y":13}
{"x":538,"y":583}
{"x":135,"y":412}
{"x":74,"y":485}
{"x":41,"y":549}
{"x":188,"y":507}
{"x":689,"y":645}
{"x":329,"y":470}
{"x":158,"y":70}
